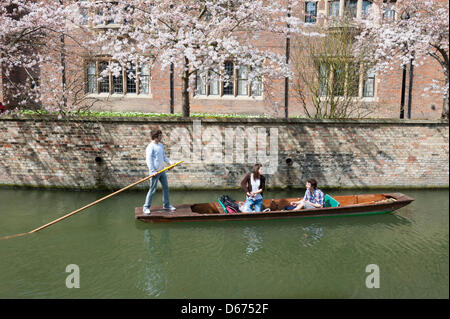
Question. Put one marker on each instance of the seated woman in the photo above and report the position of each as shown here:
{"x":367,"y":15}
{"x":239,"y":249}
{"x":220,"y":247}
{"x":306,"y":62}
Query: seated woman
{"x":253,"y":185}
{"x":313,"y":197}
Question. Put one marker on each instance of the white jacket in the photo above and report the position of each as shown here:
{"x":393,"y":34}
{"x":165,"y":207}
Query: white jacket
{"x":155,"y":156}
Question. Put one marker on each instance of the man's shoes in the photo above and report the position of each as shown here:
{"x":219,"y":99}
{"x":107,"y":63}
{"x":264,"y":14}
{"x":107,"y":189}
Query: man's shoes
{"x":171,"y":208}
{"x":146,"y":211}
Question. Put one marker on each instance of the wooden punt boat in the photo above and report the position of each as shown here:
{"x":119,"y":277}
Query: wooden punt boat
{"x":350,"y":205}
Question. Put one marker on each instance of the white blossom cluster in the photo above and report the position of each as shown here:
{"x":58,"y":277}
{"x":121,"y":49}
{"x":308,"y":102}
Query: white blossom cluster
{"x":419,"y":30}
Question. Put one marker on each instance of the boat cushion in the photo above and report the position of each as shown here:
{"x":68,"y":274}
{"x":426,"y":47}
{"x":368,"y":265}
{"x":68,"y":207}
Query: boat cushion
{"x":330,"y":201}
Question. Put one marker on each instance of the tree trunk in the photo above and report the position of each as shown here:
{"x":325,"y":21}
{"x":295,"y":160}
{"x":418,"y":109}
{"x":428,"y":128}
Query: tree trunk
{"x":185,"y":90}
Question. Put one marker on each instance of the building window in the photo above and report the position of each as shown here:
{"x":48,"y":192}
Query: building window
{"x":104,"y":80}
{"x":200,"y":86}
{"x":310,"y":11}
{"x":389,"y":14}
{"x":101,"y":14}
{"x":83,"y":12}
{"x":118,"y":84}
{"x":242,"y":81}
{"x":236,"y":84}
{"x":228,"y":84}
{"x":366,"y":5}
{"x":352,"y":79}
{"x":324,"y":77}
{"x":369,"y":84}
{"x":92,"y":78}
{"x":125,"y":82}
{"x":256,"y":87}
{"x":131,"y":79}
{"x":338,"y":79}
{"x":214,"y":85}
{"x":350,"y":8}
{"x":333,"y":9}
{"x":343,"y":79}
{"x":144,"y":79}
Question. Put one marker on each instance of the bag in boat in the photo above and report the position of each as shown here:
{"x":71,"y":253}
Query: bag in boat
{"x":231,"y":210}
{"x":228,"y":204}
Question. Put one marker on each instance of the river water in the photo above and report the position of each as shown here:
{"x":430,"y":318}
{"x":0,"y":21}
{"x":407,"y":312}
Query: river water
{"x":120,"y":257}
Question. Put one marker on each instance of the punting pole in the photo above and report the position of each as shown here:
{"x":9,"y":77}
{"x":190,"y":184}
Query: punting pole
{"x":93,"y":203}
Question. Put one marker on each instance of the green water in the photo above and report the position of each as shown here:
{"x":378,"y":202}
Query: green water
{"x":120,"y":257}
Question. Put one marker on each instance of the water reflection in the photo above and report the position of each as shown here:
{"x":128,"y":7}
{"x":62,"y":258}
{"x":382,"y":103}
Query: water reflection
{"x":312,"y":234}
{"x":254,"y":240}
{"x":155,"y":279}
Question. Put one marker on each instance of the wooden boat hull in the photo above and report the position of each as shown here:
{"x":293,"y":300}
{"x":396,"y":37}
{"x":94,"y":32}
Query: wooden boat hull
{"x":352,"y":205}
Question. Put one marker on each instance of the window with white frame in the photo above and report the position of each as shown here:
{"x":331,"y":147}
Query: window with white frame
{"x":236,"y":83}
{"x":310,"y":11}
{"x":350,"y":8}
{"x":389,"y":10}
{"x":92,"y":78}
{"x":369,"y":83}
{"x":128,"y":81}
{"x":228,"y":86}
{"x":144,"y":79}
{"x":213,"y":85}
{"x":242,"y":82}
{"x":117,"y":83}
{"x":388,"y":14}
{"x":103,"y":82}
{"x":333,"y":8}
{"x":345,"y":79}
{"x":324,"y":78}
{"x":83,"y":12}
{"x":131,"y":80}
{"x":366,"y":5}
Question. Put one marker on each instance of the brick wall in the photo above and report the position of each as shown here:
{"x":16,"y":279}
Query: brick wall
{"x":110,"y":153}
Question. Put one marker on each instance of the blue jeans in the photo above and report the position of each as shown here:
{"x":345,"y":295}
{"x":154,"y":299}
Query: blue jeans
{"x":153,"y":184}
{"x":252,"y":205}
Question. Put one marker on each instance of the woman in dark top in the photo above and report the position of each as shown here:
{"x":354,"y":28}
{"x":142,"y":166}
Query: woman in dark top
{"x":253,"y":185}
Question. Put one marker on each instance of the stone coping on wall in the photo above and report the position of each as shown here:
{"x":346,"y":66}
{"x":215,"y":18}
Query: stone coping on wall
{"x":140,"y":188}
{"x":223,"y":120}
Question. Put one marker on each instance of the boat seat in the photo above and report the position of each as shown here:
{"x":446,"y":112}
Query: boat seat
{"x":329,"y":201}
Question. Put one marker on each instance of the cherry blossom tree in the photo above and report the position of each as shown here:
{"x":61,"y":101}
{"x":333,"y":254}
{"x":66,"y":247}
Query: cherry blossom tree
{"x":34,"y":54}
{"x":420,"y":30}
{"x":197,"y":37}
{"x":22,"y":34}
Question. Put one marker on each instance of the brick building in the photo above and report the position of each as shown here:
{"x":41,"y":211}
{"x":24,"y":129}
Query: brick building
{"x":150,"y":90}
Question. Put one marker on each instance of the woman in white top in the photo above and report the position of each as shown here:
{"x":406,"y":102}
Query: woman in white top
{"x":253,"y":185}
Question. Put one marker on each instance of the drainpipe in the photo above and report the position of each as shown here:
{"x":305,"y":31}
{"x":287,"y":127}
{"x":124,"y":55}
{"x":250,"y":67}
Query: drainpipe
{"x":402,"y":101}
{"x":410,"y":85}
{"x":171,"y":89}
{"x":63,"y":66}
{"x":286,"y":79}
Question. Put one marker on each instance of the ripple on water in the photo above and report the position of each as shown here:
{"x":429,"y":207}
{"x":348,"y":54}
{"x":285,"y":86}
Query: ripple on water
{"x":120,"y":257}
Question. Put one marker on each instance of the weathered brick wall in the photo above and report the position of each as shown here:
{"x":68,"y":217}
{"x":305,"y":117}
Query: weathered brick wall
{"x":111,"y":152}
